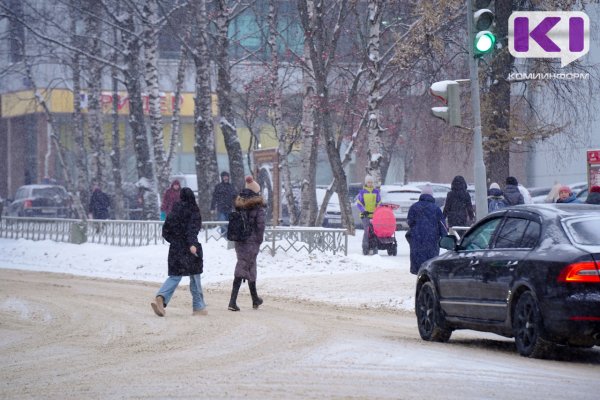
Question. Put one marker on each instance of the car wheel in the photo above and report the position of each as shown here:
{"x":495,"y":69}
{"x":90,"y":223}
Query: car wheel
{"x":527,"y":327}
{"x":429,"y":316}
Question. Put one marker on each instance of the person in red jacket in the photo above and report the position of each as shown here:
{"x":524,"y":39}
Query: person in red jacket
{"x":170,"y":197}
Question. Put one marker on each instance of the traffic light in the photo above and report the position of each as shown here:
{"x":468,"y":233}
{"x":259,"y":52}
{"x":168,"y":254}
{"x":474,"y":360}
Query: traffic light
{"x":449,"y":93}
{"x":483,"y":21}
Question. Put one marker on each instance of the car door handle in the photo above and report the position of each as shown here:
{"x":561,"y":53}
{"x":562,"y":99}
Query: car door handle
{"x":512,"y":263}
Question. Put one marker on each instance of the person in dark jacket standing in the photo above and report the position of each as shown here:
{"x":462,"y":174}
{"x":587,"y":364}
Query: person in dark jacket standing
{"x":426,"y":228}
{"x":185,"y":253}
{"x":593,"y":196}
{"x":223,"y":198}
{"x":458,"y":208}
{"x":512,"y":194}
{"x":170,"y":197}
{"x":99,"y":203}
{"x":251,"y":202}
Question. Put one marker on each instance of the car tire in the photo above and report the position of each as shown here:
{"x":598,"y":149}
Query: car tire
{"x":528,"y":327}
{"x":429,"y":316}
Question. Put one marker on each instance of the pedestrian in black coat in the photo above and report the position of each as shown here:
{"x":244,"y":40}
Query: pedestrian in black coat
{"x":512,"y":194}
{"x":181,"y":230}
{"x":251,"y":202}
{"x":458,"y":208}
{"x":99,"y":204}
{"x":426,"y":228}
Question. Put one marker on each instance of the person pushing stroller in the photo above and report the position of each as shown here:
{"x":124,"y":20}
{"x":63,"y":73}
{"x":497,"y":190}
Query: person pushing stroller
{"x":367,"y":201}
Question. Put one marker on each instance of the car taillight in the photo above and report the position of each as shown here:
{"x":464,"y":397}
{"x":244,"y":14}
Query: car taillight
{"x":584,"y":271}
{"x":27,"y":204}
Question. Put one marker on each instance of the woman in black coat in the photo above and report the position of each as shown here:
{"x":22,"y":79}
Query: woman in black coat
{"x":181,"y":229}
{"x":458,"y":208}
{"x":253,"y":204}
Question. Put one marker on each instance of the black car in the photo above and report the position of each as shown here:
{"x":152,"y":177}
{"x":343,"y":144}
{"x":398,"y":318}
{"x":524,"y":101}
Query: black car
{"x":531,"y":272}
{"x":49,"y":201}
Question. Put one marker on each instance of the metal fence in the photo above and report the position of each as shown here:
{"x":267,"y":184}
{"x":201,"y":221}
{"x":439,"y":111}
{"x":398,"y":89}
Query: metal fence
{"x":143,"y":233}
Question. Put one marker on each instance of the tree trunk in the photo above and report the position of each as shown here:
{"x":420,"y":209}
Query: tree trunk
{"x":204,"y":147}
{"x":227,"y":117}
{"x":375,"y":148}
{"x":144,"y":163}
{"x":150,"y":42}
{"x":276,"y":111}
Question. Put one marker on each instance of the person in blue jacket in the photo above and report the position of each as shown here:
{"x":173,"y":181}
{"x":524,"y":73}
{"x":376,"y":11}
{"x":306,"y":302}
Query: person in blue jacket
{"x":426,"y":228}
{"x":566,"y":195}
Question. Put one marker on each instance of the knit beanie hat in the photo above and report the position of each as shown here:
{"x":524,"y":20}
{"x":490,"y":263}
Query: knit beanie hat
{"x":251,"y":184}
{"x":511,"y":180}
{"x":224,"y":173}
{"x":565,"y":189}
{"x":427,"y":190}
{"x":494,"y":185}
{"x":595,"y":189}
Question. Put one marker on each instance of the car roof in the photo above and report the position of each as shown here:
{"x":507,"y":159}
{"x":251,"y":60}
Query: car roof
{"x":555,"y":210}
{"x":399,"y":188}
{"x":40,"y":186}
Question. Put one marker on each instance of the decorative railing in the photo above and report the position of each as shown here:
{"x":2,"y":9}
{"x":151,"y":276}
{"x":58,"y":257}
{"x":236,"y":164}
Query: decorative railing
{"x":143,"y":233}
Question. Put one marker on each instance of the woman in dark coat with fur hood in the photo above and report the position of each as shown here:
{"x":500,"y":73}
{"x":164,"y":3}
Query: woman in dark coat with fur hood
{"x":458,"y":208}
{"x":185,"y":253}
{"x":250,"y":201}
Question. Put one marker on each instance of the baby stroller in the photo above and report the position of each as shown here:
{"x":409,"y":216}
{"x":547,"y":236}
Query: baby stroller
{"x":382,"y":230}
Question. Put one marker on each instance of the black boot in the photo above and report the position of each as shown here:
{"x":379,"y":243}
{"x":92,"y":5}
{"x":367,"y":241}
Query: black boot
{"x":237,"y":282}
{"x":256,"y":301}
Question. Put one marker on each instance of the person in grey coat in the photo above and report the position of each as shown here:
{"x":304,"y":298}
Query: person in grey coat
{"x":250,"y":201}
{"x":181,"y":229}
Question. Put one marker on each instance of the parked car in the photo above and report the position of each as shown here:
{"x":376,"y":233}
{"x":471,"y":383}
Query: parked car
{"x":402,"y":196}
{"x":531,"y":272}
{"x":333,"y":213}
{"x":578,"y":187}
{"x":440,"y":191}
{"x":583,"y":194}
{"x":539,"y":194}
{"x":50,"y":201}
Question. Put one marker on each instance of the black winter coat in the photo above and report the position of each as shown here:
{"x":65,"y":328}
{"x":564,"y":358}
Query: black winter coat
{"x":99,"y":204}
{"x":223,"y":197}
{"x":181,"y":230}
{"x":513,"y":195}
{"x":458,"y":208}
{"x":593,"y":198}
{"x":247,"y":251}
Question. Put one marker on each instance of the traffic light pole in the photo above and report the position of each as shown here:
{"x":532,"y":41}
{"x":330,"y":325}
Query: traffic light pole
{"x":478,"y":164}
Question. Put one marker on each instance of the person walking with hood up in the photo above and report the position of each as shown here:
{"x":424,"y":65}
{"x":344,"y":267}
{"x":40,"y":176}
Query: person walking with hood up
{"x":426,"y":228}
{"x":367,"y":201}
{"x":496,"y":199}
{"x":512,"y":194}
{"x":253,"y":205}
{"x":185,"y":253}
{"x":223,"y":198}
{"x":170,"y":197}
{"x":458,"y":208}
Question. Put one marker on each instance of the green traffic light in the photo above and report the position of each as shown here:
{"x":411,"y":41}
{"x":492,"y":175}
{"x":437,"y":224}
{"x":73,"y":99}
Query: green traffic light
{"x":484,"y":42}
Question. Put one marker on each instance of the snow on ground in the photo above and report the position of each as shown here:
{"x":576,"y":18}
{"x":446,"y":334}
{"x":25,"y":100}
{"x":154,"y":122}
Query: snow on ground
{"x":353,"y":280}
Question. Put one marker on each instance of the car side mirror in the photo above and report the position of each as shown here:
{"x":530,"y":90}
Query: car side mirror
{"x":448,"y":242}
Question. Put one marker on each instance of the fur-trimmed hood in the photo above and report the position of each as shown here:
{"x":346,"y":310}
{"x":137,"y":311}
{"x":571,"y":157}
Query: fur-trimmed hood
{"x":247,"y":199}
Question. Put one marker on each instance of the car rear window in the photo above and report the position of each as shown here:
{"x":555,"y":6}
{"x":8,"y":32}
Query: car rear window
{"x":48,"y":192}
{"x":585,"y":231}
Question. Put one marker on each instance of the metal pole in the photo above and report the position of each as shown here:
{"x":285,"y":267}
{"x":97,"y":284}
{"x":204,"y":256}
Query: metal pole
{"x":478,"y":164}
